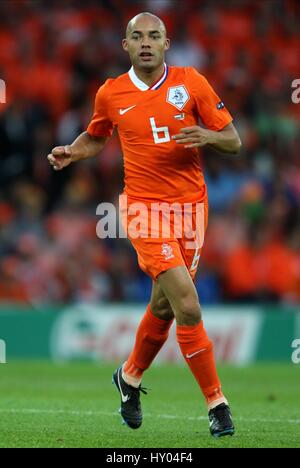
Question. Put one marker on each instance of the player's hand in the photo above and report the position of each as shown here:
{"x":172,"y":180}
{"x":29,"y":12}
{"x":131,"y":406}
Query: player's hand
{"x":193,"y":137}
{"x":60,"y":157}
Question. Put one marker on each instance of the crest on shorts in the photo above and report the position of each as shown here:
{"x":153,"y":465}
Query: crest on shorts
{"x":178,"y":96}
{"x":167,"y":251}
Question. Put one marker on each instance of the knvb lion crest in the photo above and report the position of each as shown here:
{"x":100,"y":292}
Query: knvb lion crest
{"x":178,"y":96}
{"x":167,"y":251}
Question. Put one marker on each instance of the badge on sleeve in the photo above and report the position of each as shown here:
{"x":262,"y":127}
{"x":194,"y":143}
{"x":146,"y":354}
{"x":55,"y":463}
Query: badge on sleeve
{"x":220,"y":105}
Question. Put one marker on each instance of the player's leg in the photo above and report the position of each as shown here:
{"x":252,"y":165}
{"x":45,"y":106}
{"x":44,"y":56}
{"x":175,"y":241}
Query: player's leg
{"x":159,"y":304}
{"x":151,"y":334}
{"x":195,"y":345}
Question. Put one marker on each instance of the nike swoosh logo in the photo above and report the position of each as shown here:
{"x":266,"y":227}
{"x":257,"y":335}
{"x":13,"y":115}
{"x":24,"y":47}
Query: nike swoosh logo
{"x":123,"y":111}
{"x":194,"y":354}
{"x":123,"y":397}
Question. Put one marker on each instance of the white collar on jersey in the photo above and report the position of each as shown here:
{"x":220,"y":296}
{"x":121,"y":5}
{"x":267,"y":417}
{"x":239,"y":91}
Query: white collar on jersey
{"x":141,"y":85}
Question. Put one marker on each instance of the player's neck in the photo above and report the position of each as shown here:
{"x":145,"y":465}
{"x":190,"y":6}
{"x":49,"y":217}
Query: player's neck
{"x":151,"y":76}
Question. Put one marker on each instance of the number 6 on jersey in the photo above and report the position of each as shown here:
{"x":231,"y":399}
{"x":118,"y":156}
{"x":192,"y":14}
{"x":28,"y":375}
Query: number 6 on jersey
{"x":156,"y":130}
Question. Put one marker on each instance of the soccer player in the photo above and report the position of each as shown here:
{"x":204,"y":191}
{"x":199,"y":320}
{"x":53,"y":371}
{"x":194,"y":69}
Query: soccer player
{"x":156,"y":109}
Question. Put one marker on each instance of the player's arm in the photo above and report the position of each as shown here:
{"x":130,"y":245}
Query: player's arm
{"x":226,"y":140}
{"x":91,"y":142}
{"x":85,"y":146}
{"x":219,"y":132}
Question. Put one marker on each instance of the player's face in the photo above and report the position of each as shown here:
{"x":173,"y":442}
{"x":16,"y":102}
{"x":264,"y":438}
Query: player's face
{"x":146,"y":43}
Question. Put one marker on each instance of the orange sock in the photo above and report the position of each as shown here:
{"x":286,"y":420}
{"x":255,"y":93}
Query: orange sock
{"x":150,"y":337}
{"x":197,"y":350}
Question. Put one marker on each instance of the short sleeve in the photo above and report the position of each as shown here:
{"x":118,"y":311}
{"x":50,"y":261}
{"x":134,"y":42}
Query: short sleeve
{"x":101,"y":125}
{"x":210,"y":108}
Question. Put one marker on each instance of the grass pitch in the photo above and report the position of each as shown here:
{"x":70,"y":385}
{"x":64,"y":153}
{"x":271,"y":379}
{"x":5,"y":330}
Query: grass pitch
{"x":75,"y":405}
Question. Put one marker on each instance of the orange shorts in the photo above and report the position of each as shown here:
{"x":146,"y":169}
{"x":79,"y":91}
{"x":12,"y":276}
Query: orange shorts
{"x":162,"y":237}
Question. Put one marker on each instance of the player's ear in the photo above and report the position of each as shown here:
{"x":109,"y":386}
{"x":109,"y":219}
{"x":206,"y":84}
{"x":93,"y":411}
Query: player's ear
{"x":167,"y":44}
{"x":125,"y":44}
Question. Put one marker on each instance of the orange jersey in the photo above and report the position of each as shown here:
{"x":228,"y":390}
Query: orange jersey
{"x":156,"y":167}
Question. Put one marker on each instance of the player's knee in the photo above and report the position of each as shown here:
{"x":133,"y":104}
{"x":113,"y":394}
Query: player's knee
{"x":188,"y":310}
{"x":162,"y":309}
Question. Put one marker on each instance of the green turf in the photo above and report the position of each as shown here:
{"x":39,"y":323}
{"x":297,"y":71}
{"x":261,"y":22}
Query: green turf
{"x":75,"y":405}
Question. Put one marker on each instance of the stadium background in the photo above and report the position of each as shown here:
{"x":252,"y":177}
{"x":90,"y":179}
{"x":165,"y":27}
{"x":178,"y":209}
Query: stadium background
{"x":53,"y":56}
{"x":67,"y":295}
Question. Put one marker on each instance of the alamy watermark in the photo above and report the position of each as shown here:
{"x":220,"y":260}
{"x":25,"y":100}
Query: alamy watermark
{"x":296,"y":92}
{"x":153,"y":220}
{"x":2,"y":92}
{"x":296,"y":352}
{"x":2,"y":352}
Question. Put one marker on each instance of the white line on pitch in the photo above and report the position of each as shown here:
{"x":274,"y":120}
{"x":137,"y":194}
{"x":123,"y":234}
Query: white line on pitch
{"x":161,"y":416}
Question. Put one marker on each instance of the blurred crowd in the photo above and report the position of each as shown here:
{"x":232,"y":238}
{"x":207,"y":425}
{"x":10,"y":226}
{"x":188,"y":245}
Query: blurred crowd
{"x":53,"y":57}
